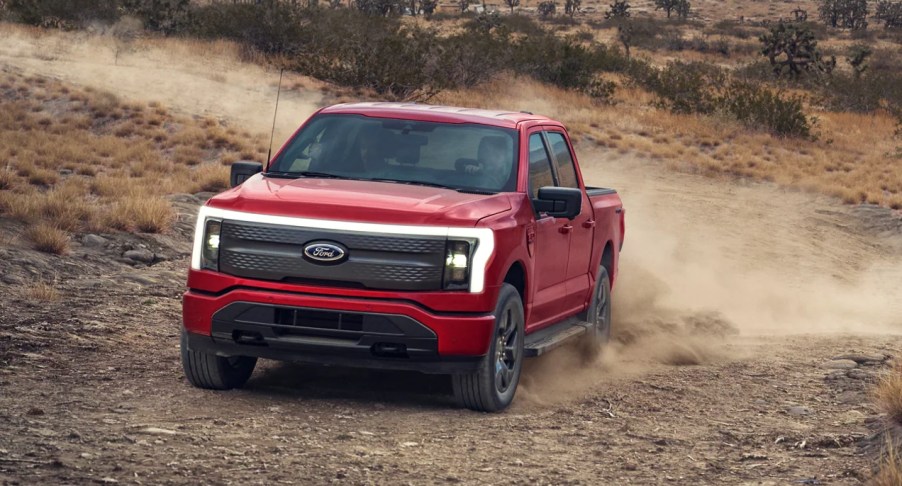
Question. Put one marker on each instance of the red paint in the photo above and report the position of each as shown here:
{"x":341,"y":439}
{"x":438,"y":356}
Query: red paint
{"x":559,"y":256}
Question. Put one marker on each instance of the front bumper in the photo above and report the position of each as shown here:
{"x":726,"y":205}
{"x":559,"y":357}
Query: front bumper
{"x":335,"y":330}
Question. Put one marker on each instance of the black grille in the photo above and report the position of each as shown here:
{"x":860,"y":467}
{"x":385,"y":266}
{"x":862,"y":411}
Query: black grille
{"x":273,"y":252}
{"x":299,"y":236}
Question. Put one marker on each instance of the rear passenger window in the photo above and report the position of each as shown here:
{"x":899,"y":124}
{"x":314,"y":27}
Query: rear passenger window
{"x":565,"y":168}
{"x":540,"y":174}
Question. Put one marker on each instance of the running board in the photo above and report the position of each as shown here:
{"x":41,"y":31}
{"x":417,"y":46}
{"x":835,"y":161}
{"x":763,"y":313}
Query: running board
{"x":541,"y":342}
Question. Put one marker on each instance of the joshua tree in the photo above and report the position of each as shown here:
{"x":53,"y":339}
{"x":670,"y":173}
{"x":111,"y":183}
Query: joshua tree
{"x":512,"y":4}
{"x":620,"y":9}
{"x":547,"y":9}
{"x":572,"y":6}
{"x":792,"y":49}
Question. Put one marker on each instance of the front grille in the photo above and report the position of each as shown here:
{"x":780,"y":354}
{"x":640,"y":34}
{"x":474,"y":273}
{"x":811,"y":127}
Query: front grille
{"x":375,"y":261}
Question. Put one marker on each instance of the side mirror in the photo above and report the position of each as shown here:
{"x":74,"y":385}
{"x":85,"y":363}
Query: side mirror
{"x":243,"y":170}
{"x":559,"y":202}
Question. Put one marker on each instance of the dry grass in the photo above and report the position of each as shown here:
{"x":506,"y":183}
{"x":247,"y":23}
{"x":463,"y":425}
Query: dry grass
{"x":78,"y":160}
{"x":41,"y":292}
{"x":48,"y":239}
{"x":889,"y":394}
{"x":145,"y":214}
{"x":889,"y":472}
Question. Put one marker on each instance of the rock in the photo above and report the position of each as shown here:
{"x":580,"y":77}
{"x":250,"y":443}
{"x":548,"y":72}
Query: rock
{"x":93,"y":241}
{"x":409,"y":444}
{"x":864,"y":359}
{"x":12,"y":279}
{"x":798,"y":411}
{"x":836,"y":375}
{"x":841,"y":364}
{"x":140,"y":255}
{"x":109,"y":480}
{"x":858,"y":375}
{"x":156,"y":431}
{"x":850,"y":398}
{"x":34,"y":411}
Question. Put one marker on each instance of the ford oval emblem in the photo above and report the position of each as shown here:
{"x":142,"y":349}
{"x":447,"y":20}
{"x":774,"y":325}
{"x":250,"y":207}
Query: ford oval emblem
{"x":325,"y":252}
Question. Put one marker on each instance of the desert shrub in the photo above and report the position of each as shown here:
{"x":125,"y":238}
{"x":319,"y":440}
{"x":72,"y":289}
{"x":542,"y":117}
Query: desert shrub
{"x":686,"y":87}
{"x":866,"y":93}
{"x":62,"y":13}
{"x":762,"y":108}
{"x":273,"y":27}
{"x":733,"y":29}
{"x":844,"y":14}
{"x":890,"y":13}
{"x":166,"y":16}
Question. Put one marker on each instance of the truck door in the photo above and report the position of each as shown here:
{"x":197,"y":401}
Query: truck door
{"x":552,"y":242}
{"x":583,"y":226}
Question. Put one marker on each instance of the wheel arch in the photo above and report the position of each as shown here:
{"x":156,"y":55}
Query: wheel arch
{"x":516,"y":276}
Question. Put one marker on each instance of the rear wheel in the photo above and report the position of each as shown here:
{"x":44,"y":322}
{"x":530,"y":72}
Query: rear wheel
{"x":213,"y":372}
{"x":598,"y":315}
{"x":491,"y":388}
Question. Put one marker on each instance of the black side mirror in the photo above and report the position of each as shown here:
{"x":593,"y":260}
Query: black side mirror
{"x":560,"y":202}
{"x":243,"y":170}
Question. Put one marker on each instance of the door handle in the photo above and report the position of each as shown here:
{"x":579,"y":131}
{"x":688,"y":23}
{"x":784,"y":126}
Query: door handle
{"x":618,"y":210}
{"x":566,"y":228}
{"x":589,"y":223}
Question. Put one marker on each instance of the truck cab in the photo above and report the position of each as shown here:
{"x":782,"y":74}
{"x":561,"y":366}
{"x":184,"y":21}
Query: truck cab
{"x":404,"y":236}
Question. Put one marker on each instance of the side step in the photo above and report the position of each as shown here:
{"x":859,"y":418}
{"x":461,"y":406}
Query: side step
{"x":541,"y":342}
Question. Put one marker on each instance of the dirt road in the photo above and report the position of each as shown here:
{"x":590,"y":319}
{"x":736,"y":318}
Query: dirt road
{"x":733,"y":301}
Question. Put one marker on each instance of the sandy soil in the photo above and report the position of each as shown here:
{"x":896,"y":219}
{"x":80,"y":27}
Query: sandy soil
{"x":734,"y":299}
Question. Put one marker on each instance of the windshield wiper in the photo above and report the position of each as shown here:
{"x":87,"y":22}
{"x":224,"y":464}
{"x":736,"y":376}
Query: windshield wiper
{"x":306,"y":173}
{"x":435,"y":184}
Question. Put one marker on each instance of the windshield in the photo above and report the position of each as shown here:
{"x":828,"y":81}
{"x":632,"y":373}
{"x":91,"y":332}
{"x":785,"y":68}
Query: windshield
{"x":458,"y":156}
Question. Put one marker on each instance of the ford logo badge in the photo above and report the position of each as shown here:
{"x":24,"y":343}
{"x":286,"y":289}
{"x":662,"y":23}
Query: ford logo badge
{"x":321,"y":251}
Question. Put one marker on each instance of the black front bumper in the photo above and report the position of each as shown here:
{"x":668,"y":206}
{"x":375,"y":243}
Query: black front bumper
{"x":340,"y":338}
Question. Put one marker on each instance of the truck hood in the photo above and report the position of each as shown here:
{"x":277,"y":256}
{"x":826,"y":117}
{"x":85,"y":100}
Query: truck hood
{"x":360,"y":201}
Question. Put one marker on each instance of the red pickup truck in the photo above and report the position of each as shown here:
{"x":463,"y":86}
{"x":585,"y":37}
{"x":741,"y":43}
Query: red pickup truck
{"x":404,"y":236}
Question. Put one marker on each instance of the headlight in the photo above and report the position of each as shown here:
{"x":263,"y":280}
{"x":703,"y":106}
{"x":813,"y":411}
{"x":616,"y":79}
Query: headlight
{"x":210,"y":248}
{"x":457,"y":264}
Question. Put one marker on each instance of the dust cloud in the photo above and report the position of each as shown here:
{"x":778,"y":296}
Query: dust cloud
{"x":191,"y":77}
{"x":707,"y":261}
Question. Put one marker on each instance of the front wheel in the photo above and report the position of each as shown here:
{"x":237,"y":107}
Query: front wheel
{"x":491,"y":388}
{"x":205,"y":370}
{"x":598,"y":315}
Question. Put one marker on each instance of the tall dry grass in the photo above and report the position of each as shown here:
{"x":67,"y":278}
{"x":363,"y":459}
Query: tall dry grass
{"x":79,"y":160}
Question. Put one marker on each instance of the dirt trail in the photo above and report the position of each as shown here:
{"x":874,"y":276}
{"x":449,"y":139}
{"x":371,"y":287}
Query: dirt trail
{"x":733,"y":300}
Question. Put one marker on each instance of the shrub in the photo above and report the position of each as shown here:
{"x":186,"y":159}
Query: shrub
{"x":62,"y":13}
{"x":166,"y":16}
{"x":686,"y":87}
{"x":890,"y":13}
{"x":844,"y":14}
{"x":48,"y":239}
{"x":759,"y":107}
{"x":889,"y":394}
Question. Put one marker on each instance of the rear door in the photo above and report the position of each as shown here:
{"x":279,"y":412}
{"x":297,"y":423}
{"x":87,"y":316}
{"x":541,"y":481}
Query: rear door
{"x":582,"y":233}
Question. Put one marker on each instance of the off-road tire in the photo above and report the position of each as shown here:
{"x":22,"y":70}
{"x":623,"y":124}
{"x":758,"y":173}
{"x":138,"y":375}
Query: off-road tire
{"x":598,"y":314}
{"x":491,"y":388}
{"x":213,"y":372}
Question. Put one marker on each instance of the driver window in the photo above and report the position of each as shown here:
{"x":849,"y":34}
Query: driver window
{"x":540,"y":173}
